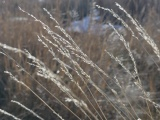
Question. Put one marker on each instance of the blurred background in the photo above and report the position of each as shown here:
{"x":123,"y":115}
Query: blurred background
{"x":89,"y":27}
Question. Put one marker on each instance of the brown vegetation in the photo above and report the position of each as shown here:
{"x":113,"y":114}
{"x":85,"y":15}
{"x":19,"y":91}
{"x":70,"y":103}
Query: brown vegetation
{"x":23,"y":35}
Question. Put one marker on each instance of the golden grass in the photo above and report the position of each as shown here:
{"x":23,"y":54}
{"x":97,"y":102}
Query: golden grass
{"x":55,"y":76}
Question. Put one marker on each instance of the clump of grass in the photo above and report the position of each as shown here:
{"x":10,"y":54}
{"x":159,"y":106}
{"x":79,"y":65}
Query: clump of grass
{"x":79,"y":85}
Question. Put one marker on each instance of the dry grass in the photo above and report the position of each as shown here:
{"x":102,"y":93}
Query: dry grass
{"x":53,"y":76}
